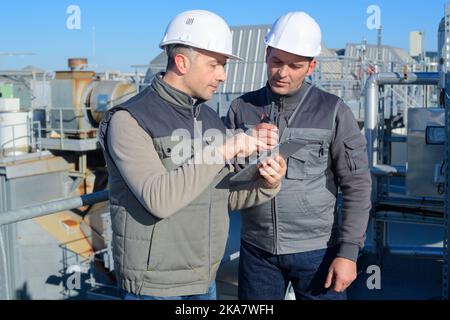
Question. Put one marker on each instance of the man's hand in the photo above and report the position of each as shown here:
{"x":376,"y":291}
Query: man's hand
{"x":266,"y":133}
{"x":272,"y":171}
{"x":241,"y":145}
{"x":341,"y":274}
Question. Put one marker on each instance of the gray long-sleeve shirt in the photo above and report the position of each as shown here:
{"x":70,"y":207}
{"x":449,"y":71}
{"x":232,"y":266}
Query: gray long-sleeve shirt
{"x":169,"y":218}
{"x":163,"y":193}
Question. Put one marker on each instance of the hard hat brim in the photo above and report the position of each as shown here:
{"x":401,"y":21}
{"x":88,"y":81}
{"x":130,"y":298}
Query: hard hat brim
{"x":190,"y":44}
{"x":308,"y":54}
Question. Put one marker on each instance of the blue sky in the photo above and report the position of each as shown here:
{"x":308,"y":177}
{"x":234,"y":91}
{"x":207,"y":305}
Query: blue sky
{"x":128,"y":32}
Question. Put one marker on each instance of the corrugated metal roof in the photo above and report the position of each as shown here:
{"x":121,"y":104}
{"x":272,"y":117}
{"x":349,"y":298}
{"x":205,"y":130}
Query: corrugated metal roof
{"x":250,"y":74}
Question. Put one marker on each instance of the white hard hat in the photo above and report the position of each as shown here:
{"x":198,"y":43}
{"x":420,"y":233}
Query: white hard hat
{"x":297,"y":33}
{"x":200,"y":29}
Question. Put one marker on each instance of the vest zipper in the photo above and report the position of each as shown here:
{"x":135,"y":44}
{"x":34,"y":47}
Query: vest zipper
{"x":196,"y":128}
{"x":209,"y":237}
{"x":273,"y":201}
{"x":280,"y":108}
{"x":275,"y":227}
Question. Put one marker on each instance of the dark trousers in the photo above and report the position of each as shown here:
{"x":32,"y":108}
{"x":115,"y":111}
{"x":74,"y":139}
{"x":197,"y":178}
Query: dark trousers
{"x":264,"y":276}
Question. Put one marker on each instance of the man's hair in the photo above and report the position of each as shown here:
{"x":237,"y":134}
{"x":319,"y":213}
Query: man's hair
{"x":172,"y":50}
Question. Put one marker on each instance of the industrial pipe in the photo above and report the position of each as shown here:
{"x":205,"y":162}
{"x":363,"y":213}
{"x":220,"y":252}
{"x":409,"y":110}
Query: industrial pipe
{"x":46,"y":208}
{"x":371,"y":100}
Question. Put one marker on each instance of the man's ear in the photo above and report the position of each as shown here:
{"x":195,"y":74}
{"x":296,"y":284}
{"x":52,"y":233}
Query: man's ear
{"x":267,"y":54}
{"x":312,"y":66}
{"x":182,"y":63}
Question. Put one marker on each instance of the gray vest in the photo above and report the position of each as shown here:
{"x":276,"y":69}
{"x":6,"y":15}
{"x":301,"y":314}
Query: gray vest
{"x":178,"y":255}
{"x":301,"y":217}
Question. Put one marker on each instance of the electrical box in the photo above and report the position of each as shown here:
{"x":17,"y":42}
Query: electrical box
{"x":425,"y":175}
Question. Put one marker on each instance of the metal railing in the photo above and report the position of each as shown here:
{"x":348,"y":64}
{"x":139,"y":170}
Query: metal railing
{"x":56,"y":125}
{"x":33,"y":142}
{"x":51,"y":207}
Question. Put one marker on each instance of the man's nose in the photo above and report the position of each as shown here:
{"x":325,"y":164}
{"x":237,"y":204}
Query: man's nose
{"x":282,"y":71}
{"x":222,"y":75}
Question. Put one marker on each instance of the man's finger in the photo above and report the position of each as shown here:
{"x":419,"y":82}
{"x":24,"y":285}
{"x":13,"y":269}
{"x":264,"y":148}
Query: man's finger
{"x":268,"y":139}
{"x":272,"y":142}
{"x":267,"y":136}
{"x":329,"y":279}
{"x":338,"y":286}
{"x":280,"y":160}
{"x":261,"y":145}
{"x":269,"y":179}
{"x":268,"y":171}
{"x":281,"y":163}
{"x":273,"y":164}
{"x":267,"y":126}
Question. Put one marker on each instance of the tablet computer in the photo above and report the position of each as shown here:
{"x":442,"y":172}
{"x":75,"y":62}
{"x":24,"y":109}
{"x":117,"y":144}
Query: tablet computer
{"x":285,"y":149}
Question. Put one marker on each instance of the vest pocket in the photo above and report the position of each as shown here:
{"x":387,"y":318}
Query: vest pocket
{"x":308,"y":163}
{"x":153,"y":252}
{"x":173,"y":153}
{"x":296,"y":167}
{"x":320,"y":204}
